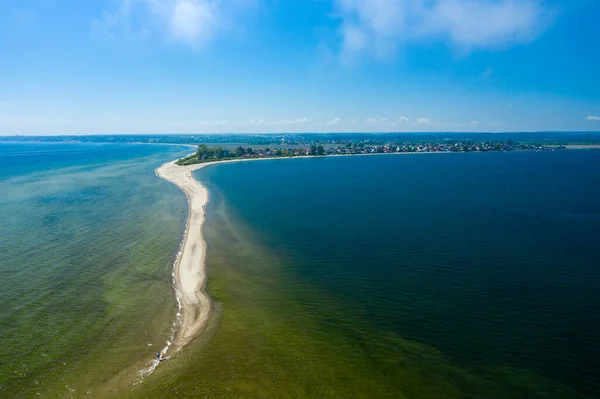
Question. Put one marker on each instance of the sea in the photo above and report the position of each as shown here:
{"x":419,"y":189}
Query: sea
{"x":88,"y":236}
{"x":391,"y":276}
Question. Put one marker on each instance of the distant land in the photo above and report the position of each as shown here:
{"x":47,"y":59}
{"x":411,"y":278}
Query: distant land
{"x":326,"y":139}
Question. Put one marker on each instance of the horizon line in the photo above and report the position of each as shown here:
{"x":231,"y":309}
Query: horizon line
{"x":293,"y":133}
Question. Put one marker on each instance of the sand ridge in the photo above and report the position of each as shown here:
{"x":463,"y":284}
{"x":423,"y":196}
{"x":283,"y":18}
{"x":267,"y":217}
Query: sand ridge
{"x":189,"y":269}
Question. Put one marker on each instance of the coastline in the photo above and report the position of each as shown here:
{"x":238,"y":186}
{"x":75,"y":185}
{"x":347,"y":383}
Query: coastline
{"x":189,"y":270}
{"x":195,"y":305}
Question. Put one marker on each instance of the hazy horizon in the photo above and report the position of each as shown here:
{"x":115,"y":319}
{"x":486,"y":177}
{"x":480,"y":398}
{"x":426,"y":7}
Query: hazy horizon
{"x":301,"y":133}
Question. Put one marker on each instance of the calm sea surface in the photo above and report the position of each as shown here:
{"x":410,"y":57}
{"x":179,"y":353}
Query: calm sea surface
{"x":446,"y":275}
{"x":87,"y":239}
{"x":409,"y":276}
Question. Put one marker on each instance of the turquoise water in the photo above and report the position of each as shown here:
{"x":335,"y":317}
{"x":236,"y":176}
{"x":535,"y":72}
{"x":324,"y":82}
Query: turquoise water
{"x":87,"y":240}
{"x":486,"y":262}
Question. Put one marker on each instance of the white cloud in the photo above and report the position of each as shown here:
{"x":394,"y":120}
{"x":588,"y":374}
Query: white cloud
{"x":379,"y":27}
{"x":193,"y":22}
{"x":423,"y":121}
{"x":291,"y":121}
{"x":334,"y":121}
{"x":403,"y":119}
{"x":261,"y":121}
{"x":593,"y":118}
{"x":380,"y":120}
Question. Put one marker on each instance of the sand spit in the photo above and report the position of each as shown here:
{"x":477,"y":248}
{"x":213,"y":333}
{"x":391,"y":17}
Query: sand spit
{"x":189,"y":269}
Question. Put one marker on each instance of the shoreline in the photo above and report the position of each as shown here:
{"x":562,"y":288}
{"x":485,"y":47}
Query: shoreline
{"x":189,"y":271}
{"x":195,"y":305}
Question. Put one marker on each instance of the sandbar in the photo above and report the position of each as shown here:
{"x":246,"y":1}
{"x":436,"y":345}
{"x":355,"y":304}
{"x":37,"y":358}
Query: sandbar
{"x":189,"y":269}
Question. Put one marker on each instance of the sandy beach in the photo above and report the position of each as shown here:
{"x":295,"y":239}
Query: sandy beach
{"x":190,"y":268}
{"x":190,"y":271}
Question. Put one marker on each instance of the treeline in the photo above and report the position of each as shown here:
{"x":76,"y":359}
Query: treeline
{"x":211,"y":154}
{"x":205,"y":154}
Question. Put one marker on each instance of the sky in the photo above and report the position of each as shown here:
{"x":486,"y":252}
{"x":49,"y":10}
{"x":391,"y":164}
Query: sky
{"x":263,"y":66}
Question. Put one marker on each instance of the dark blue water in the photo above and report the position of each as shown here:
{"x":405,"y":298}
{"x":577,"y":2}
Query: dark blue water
{"x":491,"y":258}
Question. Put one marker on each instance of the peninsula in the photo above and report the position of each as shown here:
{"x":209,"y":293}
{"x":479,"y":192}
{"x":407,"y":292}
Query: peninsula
{"x":357,"y":147}
{"x":189,"y":270}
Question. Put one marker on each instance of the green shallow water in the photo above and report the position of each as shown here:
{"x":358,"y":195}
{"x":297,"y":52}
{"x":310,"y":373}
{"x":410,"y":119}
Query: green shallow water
{"x":316,"y":300}
{"x":88,"y":237}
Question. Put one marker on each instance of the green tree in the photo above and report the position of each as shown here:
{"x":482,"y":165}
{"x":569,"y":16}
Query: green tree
{"x":313,"y":150}
{"x":239,"y":152}
{"x":202,"y":152}
{"x":249,"y":151}
{"x":320,"y":150}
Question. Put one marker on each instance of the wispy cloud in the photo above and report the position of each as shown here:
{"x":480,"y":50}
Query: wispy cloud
{"x":334,"y":121}
{"x":380,"y":120}
{"x":379,"y":27}
{"x":593,"y":118}
{"x":192,"y":22}
{"x":261,"y":121}
{"x":212,"y":123}
{"x":489,"y":71}
{"x":178,"y":124}
{"x":466,"y":126}
{"x":403,"y":119}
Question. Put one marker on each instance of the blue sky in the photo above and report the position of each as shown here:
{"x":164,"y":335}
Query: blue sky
{"x":201,"y":66}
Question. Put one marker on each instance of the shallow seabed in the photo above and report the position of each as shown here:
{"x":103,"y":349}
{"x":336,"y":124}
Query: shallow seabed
{"x":88,"y":237}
